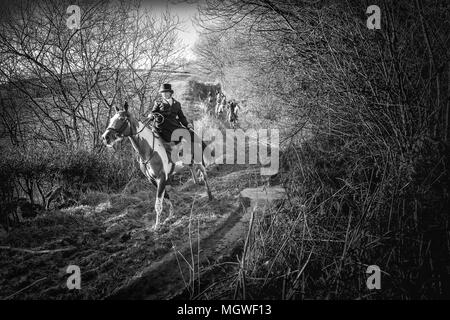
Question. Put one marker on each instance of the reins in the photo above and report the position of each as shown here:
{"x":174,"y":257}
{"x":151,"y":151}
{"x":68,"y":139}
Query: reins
{"x":127,"y":121}
{"x":119,"y":132}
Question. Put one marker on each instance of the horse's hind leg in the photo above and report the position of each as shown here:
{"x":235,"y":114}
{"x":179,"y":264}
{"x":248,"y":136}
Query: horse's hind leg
{"x":205,"y":178}
{"x":194,"y":174}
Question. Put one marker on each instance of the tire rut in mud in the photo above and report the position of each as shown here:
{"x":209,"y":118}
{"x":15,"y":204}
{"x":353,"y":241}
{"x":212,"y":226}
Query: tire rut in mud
{"x":166,"y":278}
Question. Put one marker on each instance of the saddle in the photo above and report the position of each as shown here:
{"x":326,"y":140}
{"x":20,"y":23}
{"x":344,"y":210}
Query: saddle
{"x":168,"y":146}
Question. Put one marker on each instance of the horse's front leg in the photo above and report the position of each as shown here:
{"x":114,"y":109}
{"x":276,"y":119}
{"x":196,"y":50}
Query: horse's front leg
{"x":160,"y":191}
{"x":205,"y":178}
{"x":171,"y":209}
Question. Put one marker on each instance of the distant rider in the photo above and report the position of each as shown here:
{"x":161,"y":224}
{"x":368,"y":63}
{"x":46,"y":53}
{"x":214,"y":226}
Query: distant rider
{"x":233,"y":108}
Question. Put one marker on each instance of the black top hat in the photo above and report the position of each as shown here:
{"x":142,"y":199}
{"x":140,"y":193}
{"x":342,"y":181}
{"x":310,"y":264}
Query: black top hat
{"x":166,"y":87}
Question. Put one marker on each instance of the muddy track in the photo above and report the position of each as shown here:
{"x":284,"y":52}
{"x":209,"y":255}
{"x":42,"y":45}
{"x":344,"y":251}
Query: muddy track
{"x":119,"y":257}
{"x":172,"y":276}
{"x":167,"y":278}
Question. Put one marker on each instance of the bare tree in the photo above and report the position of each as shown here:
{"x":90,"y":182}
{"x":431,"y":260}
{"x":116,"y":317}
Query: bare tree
{"x":70,"y":79}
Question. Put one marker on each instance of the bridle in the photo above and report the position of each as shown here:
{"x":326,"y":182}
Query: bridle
{"x":119,"y":132}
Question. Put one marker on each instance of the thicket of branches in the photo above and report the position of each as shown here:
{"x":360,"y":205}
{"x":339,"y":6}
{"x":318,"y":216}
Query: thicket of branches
{"x":366,"y":144}
{"x":59,"y":86}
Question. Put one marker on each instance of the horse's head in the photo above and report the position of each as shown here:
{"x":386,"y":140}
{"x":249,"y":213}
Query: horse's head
{"x":119,"y":127}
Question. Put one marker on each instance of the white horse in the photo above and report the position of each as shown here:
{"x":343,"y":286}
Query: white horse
{"x":153,"y":158}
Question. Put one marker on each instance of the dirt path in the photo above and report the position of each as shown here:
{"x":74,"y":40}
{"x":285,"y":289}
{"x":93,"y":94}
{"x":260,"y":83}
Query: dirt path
{"x":169,"y":277}
{"x":111,"y":244}
{"x":175,"y":273}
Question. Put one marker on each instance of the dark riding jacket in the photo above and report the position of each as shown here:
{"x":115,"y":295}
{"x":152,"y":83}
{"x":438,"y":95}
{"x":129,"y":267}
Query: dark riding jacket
{"x":173,"y":118}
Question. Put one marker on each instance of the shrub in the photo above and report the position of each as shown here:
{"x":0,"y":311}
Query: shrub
{"x":61,"y":175}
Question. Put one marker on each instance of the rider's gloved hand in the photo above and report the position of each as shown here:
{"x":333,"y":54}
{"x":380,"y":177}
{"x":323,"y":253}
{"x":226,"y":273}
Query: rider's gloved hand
{"x":190,"y":126}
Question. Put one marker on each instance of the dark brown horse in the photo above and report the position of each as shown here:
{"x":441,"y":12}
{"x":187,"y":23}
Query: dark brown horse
{"x":153,"y":158}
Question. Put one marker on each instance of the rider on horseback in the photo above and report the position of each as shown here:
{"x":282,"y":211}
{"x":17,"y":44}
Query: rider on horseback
{"x":233,"y":108}
{"x":170,"y":109}
{"x":172,"y":117}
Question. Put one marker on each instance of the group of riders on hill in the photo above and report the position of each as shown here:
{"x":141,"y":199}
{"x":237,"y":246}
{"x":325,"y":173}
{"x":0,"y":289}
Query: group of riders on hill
{"x":231,"y":107}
